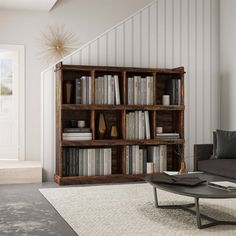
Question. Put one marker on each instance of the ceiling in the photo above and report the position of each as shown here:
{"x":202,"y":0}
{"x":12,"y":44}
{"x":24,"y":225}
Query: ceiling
{"x":36,"y":5}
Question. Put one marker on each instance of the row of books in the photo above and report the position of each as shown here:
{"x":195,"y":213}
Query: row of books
{"x":174,"y":90}
{"x":167,"y":135}
{"x":138,"y":125}
{"x":76,"y":134}
{"x":138,"y":160}
{"x":87,"y":162}
{"x":83,"y":90}
{"x":107,"y":90}
{"x":140,"y":90}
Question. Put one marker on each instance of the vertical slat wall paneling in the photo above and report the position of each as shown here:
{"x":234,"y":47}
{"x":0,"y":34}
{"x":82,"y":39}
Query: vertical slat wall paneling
{"x":137,"y":40}
{"x":75,"y":59}
{"x":153,"y":35}
{"x":161,"y":41}
{"x":128,"y":43}
{"x":206,"y":83}
{"x":200,"y":70}
{"x":145,"y":34}
{"x":215,"y":98}
{"x":176,"y":41}
{"x":103,"y":50}
{"x":111,"y":48}
{"x":94,"y":53}
{"x":85,"y":56}
{"x":120,"y":45}
{"x":184,"y":60}
{"x":167,"y":33}
{"x":192,"y":74}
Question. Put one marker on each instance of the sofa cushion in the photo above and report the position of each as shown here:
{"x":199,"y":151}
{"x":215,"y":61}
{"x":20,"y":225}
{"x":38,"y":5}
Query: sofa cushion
{"x":226,"y":144}
{"x":222,"y":167}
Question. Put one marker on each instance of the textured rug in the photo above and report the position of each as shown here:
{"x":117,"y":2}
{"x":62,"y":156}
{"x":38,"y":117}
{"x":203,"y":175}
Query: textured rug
{"x":128,"y":210}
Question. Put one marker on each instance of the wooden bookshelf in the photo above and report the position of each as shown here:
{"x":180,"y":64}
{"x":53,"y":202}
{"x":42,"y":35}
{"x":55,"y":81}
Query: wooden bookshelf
{"x":170,"y":117}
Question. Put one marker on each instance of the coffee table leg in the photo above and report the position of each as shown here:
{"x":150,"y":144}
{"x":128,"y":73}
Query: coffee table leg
{"x":198,"y":215}
{"x":155,"y":197}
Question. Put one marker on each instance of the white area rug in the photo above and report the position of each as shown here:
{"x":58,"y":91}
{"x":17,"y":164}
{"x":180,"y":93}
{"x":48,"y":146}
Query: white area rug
{"x":128,"y":210}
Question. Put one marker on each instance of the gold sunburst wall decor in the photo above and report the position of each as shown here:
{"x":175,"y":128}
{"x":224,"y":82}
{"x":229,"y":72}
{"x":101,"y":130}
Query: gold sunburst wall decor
{"x":57,"y":43}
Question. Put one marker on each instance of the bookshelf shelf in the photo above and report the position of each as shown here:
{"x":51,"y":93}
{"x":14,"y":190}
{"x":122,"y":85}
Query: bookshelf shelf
{"x":119,"y":114}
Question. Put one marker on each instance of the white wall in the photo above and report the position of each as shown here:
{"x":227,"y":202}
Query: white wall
{"x":228,"y":63}
{"x":87,"y":18}
{"x":167,"y":33}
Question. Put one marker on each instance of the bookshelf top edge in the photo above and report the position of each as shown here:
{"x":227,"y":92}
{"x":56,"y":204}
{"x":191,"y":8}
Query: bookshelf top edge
{"x":178,"y":70}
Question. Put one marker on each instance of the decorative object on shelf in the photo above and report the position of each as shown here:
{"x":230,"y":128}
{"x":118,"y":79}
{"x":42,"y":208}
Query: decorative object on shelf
{"x":101,"y":126}
{"x":67,"y":92}
{"x":73,"y":123}
{"x":81,"y":123}
{"x":166,"y":100}
{"x":159,"y":130}
{"x":183,"y":168}
{"x":56,"y":43}
{"x":114,"y":132}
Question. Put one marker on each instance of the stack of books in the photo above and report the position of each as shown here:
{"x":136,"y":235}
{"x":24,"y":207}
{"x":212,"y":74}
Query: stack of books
{"x":137,"y":159}
{"x":83,"y":90}
{"x":107,"y":90}
{"x":76,"y":134}
{"x":167,"y":135}
{"x":174,"y":88}
{"x":158,"y":156}
{"x":138,"y":125}
{"x":140,"y":90}
{"x":87,"y":162}
{"x":224,"y":185}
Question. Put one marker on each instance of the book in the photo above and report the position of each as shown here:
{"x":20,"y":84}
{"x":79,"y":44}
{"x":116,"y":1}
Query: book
{"x":81,"y":162}
{"x":77,"y":130}
{"x":131,"y":90}
{"x":117,"y":90}
{"x":127,"y":160}
{"x":224,"y":185}
{"x":73,"y":134}
{"x":76,"y":138}
{"x":78,"y":91}
{"x":163,"y":158}
{"x":147,"y":125}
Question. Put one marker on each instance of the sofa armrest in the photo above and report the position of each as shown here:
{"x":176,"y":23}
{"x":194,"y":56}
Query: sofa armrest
{"x":202,"y":152}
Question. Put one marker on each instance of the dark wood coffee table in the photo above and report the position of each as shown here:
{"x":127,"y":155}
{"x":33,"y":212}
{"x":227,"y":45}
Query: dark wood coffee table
{"x":201,"y":191}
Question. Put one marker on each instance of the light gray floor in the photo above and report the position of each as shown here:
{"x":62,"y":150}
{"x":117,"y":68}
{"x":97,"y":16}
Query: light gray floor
{"x":24,"y":211}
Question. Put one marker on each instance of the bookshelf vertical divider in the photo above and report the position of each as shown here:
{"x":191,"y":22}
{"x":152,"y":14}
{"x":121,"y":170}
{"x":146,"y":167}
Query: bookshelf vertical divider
{"x":171,"y":118}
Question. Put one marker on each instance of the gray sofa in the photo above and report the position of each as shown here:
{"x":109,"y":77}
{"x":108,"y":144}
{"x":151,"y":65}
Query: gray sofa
{"x":221,"y":167}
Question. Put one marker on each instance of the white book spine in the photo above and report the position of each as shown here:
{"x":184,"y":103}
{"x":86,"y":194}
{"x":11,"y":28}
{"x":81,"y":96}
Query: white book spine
{"x":93,"y":162}
{"x":101,"y":169}
{"x":106,"y":161}
{"x":110,"y":162}
{"x":140,"y":128}
{"x":90,"y":90}
{"x":127,"y":160}
{"x":105,"y":89}
{"x":143,"y":126}
{"x":151,"y":90}
{"x":112,"y":90}
{"x":135,"y":90}
{"x":89,"y":162}
{"x":133,"y":160}
{"x":136,"y":134}
{"x":80,"y":162}
{"x":127,"y":127}
{"x":85,"y":161}
{"x":148,"y":90}
{"x":83,"y":79}
{"x":130,"y":90}
{"x":147,"y":125}
{"x":137,"y":159}
{"x":109,"y":89}
{"x":117,"y":90}
{"x":163,"y":158}
{"x":96,"y":91}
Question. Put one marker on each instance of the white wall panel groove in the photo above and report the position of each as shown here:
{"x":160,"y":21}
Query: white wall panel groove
{"x":167,"y":33}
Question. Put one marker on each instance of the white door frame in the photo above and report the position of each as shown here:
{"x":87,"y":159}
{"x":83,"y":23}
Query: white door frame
{"x":21,"y":96}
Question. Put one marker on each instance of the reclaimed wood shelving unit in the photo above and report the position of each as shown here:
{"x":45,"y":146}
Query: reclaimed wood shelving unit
{"x":171,"y":118}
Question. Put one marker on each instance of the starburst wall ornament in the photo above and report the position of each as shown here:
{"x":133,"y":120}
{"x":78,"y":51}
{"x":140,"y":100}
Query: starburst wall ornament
{"x":57,"y":43}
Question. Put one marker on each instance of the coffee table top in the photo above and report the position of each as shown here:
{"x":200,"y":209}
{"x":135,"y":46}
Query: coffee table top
{"x":200,"y":191}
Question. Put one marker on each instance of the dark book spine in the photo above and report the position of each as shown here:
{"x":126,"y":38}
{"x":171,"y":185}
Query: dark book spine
{"x":76,"y":161}
{"x":144,"y":161}
{"x":78,"y":91}
{"x":67,"y":162}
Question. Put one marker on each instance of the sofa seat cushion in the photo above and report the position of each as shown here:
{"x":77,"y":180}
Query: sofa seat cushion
{"x":222,"y":167}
